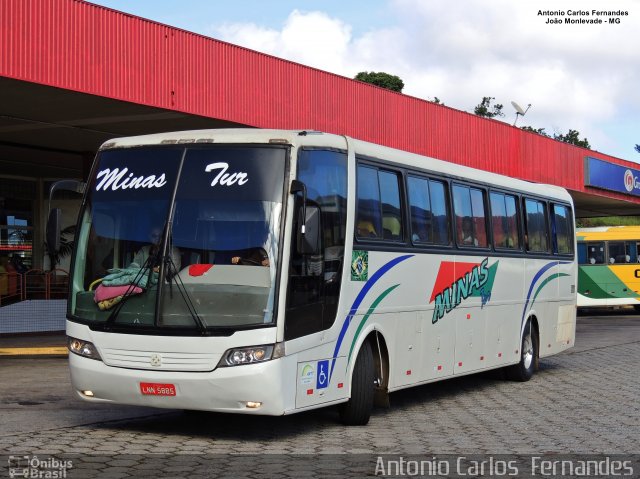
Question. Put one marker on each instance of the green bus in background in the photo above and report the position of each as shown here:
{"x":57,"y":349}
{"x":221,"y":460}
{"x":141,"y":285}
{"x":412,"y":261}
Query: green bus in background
{"x":609,"y":266}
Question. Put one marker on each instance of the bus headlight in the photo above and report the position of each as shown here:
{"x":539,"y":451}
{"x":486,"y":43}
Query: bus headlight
{"x":251,"y":355}
{"x":83,"y":348}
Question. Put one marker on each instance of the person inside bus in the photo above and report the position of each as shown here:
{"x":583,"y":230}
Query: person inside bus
{"x":508,"y":242}
{"x":467,"y":232}
{"x":252,"y":257}
{"x":366,"y":229}
{"x":152,"y":249}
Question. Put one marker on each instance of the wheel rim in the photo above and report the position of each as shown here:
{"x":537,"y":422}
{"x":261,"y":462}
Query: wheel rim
{"x":527,"y":351}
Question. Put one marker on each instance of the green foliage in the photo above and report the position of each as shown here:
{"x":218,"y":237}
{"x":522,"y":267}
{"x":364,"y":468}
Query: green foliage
{"x":608,"y":221}
{"x":573,"y":137}
{"x":437,"y":101}
{"x":539,"y":131}
{"x":485,"y":109}
{"x":382,"y":79}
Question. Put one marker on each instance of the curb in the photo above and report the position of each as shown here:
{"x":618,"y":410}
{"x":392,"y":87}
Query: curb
{"x":51,"y":351}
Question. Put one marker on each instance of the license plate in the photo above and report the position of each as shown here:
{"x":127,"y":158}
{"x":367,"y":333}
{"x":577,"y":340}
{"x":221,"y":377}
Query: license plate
{"x":157,"y":389}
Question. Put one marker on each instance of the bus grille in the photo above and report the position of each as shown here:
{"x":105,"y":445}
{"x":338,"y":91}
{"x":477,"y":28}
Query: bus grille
{"x":160,"y":361}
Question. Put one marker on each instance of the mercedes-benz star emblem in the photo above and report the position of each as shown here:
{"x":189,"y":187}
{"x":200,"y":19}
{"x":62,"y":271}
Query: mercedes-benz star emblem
{"x":156,"y":360}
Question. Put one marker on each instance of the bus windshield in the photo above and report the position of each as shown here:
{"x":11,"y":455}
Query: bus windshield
{"x":180,"y":238}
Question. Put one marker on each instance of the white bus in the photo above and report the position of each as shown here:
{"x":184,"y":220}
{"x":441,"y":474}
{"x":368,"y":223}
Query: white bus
{"x":272,"y":272}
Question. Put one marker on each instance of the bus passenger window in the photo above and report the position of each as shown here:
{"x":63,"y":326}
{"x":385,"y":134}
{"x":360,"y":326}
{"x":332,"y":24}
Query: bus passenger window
{"x":390,"y":199}
{"x":562,"y":228}
{"x":504,"y":221}
{"x":440,"y":213}
{"x":369,"y":222}
{"x":631,"y":251}
{"x":429,"y":219}
{"x":420,"y":207}
{"x":468,"y":205}
{"x":536,"y":226}
{"x":379,"y":211}
{"x":582,"y":253}
{"x":595,"y":253}
{"x":617,"y":253}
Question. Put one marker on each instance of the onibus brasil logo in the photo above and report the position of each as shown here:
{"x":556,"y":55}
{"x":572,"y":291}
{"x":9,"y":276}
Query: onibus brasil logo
{"x":458,"y":281}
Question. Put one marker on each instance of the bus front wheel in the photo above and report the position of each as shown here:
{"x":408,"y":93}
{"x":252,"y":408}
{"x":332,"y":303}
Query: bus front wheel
{"x":357,"y":411}
{"x":523,"y":371}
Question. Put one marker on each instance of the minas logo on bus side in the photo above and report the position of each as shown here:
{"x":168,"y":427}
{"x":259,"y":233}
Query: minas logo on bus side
{"x":458,"y":281}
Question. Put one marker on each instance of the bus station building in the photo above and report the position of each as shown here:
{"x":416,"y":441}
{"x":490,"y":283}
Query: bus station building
{"x":74,"y":75}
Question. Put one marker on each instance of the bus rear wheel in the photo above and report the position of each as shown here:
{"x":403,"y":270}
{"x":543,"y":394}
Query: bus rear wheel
{"x":523,"y":371}
{"x":357,"y":411}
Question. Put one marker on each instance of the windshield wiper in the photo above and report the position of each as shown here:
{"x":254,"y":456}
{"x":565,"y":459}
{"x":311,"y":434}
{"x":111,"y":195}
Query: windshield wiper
{"x":173,"y":276}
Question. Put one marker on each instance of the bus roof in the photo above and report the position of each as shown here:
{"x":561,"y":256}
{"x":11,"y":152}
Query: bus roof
{"x":320,"y":139}
{"x":607,"y":233}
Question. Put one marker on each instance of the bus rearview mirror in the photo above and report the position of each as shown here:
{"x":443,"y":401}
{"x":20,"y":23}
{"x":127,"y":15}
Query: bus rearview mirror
{"x":53,"y":230}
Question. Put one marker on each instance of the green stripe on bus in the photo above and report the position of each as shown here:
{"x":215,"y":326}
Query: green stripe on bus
{"x":595,"y":278}
{"x":374,"y":305}
{"x":544,"y":283}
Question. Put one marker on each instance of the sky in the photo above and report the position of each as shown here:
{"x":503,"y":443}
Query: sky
{"x":584,"y":77}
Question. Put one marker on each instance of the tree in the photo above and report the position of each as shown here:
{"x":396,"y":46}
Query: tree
{"x":608,"y":221}
{"x":539,"y":131}
{"x":572,"y":137}
{"x":485,"y":109}
{"x":382,"y":79}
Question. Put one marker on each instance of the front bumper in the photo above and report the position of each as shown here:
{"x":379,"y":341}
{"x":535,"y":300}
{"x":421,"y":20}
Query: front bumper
{"x":223,"y":390}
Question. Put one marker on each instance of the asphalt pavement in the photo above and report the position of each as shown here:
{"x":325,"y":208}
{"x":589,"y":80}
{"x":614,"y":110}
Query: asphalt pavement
{"x":582,"y":402}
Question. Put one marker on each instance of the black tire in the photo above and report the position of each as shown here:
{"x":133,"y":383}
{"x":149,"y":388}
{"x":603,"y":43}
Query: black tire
{"x":357,"y":411}
{"x":524,"y":370}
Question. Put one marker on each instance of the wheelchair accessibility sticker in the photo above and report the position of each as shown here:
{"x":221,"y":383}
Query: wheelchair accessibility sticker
{"x":322,"y":376}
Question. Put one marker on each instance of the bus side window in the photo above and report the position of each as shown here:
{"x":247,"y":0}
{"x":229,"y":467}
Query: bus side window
{"x":428,"y":208}
{"x":536,"y":226}
{"x":379,"y":209}
{"x":562,"y":228}
{"x":420,"y":208}
{"x":631,"y":250}
{"x":369,"y":222}
{"x":504,"y":216}
{"x":440,"y":213}
{"x":582,"y":253}
{"x":617,"y":253}
{"x":390,"y":202}
{"x":595,"y":253}
{"x":468,"y":206}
